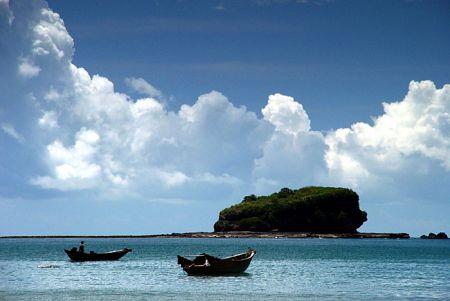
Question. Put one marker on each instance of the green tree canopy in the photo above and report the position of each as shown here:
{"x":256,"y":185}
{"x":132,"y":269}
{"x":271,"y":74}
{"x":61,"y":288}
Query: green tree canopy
{"x":309,"y":209}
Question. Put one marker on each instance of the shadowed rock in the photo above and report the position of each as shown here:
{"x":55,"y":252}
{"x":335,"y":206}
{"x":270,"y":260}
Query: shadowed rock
{"x":431,"y":235}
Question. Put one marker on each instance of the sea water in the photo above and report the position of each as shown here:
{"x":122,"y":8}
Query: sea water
{"x":282,"y":269}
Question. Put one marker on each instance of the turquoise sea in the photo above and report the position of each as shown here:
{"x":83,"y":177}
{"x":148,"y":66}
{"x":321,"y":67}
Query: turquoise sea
{"x":283,"y":269}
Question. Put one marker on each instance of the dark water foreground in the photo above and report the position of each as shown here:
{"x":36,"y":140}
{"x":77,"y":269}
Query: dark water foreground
{"x":283,"y":269}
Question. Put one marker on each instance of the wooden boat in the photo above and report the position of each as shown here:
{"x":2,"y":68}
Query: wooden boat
{"x":205,"y":264}
{"x":75,"y":255}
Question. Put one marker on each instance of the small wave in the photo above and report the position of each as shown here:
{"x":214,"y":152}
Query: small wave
{"x":48,"y":266}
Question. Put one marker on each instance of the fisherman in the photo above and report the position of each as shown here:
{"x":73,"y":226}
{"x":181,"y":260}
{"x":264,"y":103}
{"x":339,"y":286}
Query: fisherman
{"x":81,"y":247}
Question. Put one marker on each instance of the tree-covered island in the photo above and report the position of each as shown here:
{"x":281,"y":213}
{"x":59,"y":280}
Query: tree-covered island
{"x":309,"y":209}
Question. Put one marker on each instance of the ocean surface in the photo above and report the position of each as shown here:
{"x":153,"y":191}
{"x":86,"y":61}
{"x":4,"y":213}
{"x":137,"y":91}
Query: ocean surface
{"x":283,"y":269}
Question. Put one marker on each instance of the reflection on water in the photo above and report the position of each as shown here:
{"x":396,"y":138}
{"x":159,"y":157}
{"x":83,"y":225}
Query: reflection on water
{"x":283,"y":269}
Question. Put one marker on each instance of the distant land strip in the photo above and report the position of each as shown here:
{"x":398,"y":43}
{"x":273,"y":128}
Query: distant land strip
{"x":231,"y":234}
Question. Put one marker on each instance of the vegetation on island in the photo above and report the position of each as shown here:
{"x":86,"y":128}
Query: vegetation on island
{"x":309,"y":209}
{"x":431,"y":235}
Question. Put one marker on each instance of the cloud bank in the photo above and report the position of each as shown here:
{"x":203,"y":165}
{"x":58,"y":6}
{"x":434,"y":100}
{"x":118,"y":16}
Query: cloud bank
{"x":86,"y":136}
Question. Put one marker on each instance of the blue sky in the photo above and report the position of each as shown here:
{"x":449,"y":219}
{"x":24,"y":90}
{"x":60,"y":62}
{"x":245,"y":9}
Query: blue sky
{"x":152,"y":117}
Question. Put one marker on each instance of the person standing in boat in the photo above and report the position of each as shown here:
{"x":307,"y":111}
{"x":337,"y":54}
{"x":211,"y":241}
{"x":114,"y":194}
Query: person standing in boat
{"x":81,"y":247}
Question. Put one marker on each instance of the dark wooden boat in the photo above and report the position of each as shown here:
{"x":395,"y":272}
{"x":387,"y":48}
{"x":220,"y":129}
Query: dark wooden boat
{"x":75,"y":255}
{"x":205,"y":264}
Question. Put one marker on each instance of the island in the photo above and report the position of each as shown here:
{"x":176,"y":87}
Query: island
{"x":431,"y":235}
{"x":309,"y":209}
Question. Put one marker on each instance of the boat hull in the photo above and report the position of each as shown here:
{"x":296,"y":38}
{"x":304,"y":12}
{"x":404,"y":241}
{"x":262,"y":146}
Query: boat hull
{"x":77,"y":256}
{"x":206,"y":265}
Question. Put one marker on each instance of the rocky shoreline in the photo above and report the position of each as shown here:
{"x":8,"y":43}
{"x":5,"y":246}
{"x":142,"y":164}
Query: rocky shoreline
{"x":232,"y":234}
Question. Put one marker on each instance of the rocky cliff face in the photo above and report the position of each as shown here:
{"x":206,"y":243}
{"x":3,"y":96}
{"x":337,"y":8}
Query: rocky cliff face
{"x":309,"y":209}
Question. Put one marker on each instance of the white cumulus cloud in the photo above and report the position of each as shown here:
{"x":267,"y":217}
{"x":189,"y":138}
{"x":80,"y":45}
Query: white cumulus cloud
{"x":286,"y":114}
{"x":416,"y":128}
{"x":49,"y":119}
{"x":27,"y":69}
{"x":50,"y":36}
{"x":73,"y":167}
{"x":293,"y":156}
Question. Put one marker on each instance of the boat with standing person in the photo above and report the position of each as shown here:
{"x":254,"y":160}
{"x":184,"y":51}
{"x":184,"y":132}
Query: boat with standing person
{"x":77,"y":256}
